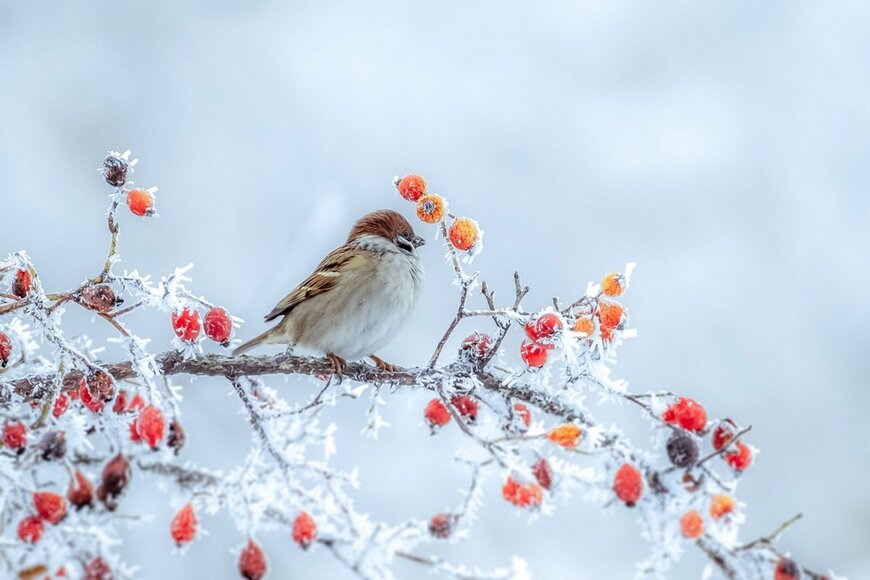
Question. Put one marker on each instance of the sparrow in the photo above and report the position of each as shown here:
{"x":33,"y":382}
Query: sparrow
{"x":358,"y":296}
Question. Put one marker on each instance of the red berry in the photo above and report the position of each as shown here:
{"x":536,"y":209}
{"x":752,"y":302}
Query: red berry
{"x":723,"y":434}
{"x":628,"y":484}
{"x":692,"y":525}
{"x":184,"y":524}
{"x":786,"y":569}
{"x":521,"y":419}
{"x":441,"y":525}
{"x":137,"y":403}
{"x":120,"y":405}
{"x":436,"y":414}
{"x":61,"y":404}
{"x":543,"y":473}
{"x":15,"y":436}
{"x":50,"y":506}
{"x":687,"y":413}
{"x":252,"y":562}
{"x":541,"y":331}
{"x":5,"y":349}
{"x":141,"y":202}
{"x":151,"y":425}
{"x":30,"y":529}
{"x":741,"y":458}
{"x":304,"y":530}
{"x":476,"y":346}
{"x":218,"y":326}
{"x":22,"y":283}
{"x":88,"y":401}
{"x":522,"y":495}
{"x":466,"y":405}
{"x":186,"y":324}
{"x":533,"y":354}
{"x":411,"y":187}
{"x":97,"y":569}
{"x":80,"y":492}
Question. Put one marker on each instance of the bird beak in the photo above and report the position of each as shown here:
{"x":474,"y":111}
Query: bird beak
{"x":418,"y":241}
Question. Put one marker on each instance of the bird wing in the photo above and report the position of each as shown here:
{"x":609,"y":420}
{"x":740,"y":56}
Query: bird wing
{"x":324,"y":278}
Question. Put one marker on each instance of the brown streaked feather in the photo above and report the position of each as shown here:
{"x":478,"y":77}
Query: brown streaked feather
{"x":325,"y":277}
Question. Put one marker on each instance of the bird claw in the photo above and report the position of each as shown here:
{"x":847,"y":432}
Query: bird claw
{"x":384,"y":365}
{"x":338,"y":364}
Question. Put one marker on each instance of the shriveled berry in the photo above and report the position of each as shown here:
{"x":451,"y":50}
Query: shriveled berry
{"x":613,"y":284}
{"x":61,"y":404}
{"x":22,"y":283}
{"x":80,"y":492}
{"x":100,"y":386}
{"x":524,"y":495}
{"x":151,"y":426}
{"x":692,"y":525}
{"x":628,"y":484}
{"x":464,"y":233}
{"x":100,"y":298}
{"x":252,"y":562}
{"x":30,"y":529}
{"x":115,"y":169}
{"x":186,"y":324}
{"x":721,"y":505}
{"x":304,"y":530}
{"x":682,"y":449}
{"x":436,"y":414}
{"x":543,"y":473}
{"x":741,"y":458}
{"x":687,"y":413}
{"x":116,"y":477}
{"x":411,"y":187}
{"x":723,"y":434}
{"x":466,"y":405}
{"x":50,"y":506}
{"x":98,"y":569}
{"x":431,"y":208}
{"x":184,"y":525}
{"x":218,"y":326}
{"x":175,"y":439}
{"x":52,"y":446}
{"x":15,"y":436}
{"x":534,"y":355}
{"x":5,"y":349}
{"x":141,"y":202}
{"x":476,"y":347}
{"x":786,"y":569}
{"x":567,"y":435}
{"x":441,"y":525}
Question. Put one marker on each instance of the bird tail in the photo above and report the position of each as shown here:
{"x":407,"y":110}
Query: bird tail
{"x":264,"y":338}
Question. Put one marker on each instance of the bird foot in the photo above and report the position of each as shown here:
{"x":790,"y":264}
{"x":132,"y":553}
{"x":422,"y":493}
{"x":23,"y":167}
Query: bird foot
{"x":338,"y":364}
{"x":384,"y":365}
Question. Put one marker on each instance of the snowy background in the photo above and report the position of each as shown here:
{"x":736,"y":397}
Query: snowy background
{"x":724,"y":148}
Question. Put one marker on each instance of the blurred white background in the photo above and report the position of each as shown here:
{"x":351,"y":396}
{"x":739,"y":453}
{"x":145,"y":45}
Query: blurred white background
{"x":725,"y":147}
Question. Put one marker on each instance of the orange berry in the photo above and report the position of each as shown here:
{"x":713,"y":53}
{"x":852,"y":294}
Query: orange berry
{"x":411,"y":187}
{"x":721,"y":505}
{"x":613,"y":284}
{"x":584,"y":326}
{"x":141,"y":202}
{"x":566,"y":435}
{"x":692,"y":525}
{"x":609,"y":314}
{"x":464,"y":233}
{"x":431,"y":208}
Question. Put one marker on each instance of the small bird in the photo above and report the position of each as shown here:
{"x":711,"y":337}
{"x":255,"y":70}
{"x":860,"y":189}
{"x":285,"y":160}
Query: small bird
{"x":358,"y":297}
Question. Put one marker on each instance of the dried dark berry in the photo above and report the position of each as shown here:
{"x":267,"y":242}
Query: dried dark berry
{"x":682,"y":449}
